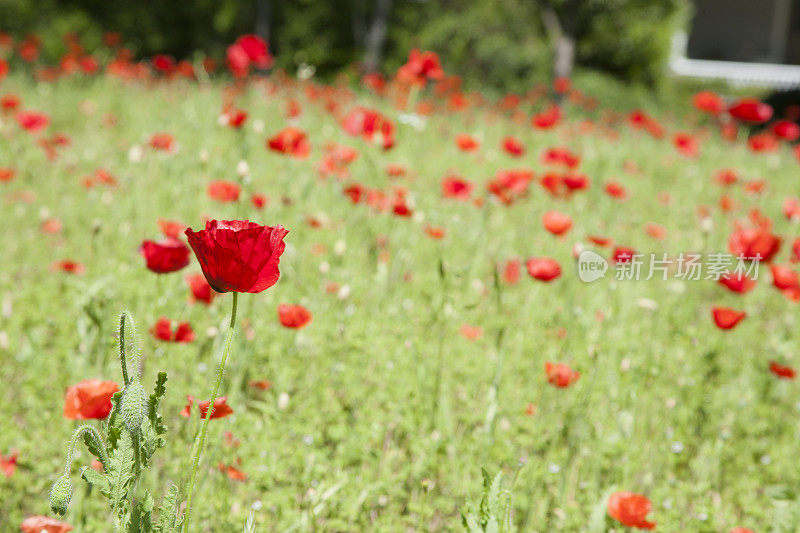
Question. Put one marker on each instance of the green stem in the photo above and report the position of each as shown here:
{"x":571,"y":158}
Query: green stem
{"x":204,"y":428}
{"x":122,"y":360}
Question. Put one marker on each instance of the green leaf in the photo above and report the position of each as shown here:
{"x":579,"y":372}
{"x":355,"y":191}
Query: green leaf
{"x":167,"y":513}
{"x":97,"y":480}
{"x":121,"y":472}
{"x":142,"y":516}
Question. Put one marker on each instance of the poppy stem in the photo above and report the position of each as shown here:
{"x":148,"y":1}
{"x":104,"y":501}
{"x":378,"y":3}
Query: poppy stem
{"x":204,"y":428}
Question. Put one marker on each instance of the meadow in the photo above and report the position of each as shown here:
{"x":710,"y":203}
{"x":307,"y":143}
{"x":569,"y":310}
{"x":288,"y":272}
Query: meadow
{"x":425,"y":357}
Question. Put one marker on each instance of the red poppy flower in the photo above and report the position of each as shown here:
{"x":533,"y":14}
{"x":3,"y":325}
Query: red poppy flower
{"x":232,"y":472}
{"x":10,"y":102}
{"x":630,"y":509}
{"x":163,"y":141}
{"x":562,"y":85}
{"x":741,"y":530}
{"x":8,"y":464}
{"x":467,"y":143}
{"x":44,"y":524}
{"x":708,"y":102}
{"x":163,"y":63}
{"x":223,"y":191}
{"x":509,"y":185}
{"x":751,"y":110}
{"x":556,"y":222}
{"x":791,"y":209}
{"x":686,"y":144}
{"x":456,"y":187}
{"x":201,"y":290}
{"x":726,"y":176}
{"x":763,"y":142}
{"x":576,"y":181}
{"x":290,"y":141}
{"x":784,"y":277}
{"x":511,"y":271}
{"x":622,"y":254}
{"x":371,"y":125}
{"x":91,"y":398}
{"x":560,"y":156}
{"x":783,"y":372}
{"x":247,"y":51}
{"x":3,"y":69}
{"x":513,"y":146}
{"x":420,"y":67}
{"x":615,"y":190}
{"x":235,"y":118}
{"x":543,"y":268}
{"x":471,"y":332}
{"x":221,"y":408}
{"x":7,"y":174}
{"x":32,"y":121}
{"x":754,"y":242}
{"x":69,"y":266}
{"x":560,"y":374}
{"x":171,"y":228}
{"x":547,"y":119}
{"x":162,"y":330}
{"x":293,"y":316}
{"x":238,"y":255}
{"x":737,"y":282}
{"x":727,"y":318}
{"x":435,"y":232}
{"x":786,"y":130}
{"x":163,"y":257}
{"x":259,"y":200}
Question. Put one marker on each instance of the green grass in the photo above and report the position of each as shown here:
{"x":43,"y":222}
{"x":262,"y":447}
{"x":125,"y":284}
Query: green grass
{"x":363,"y":442}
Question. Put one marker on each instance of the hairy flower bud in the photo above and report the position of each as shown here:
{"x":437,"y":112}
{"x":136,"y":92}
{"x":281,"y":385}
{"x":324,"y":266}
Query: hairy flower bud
{"x":60,"y":495}
{"x":133,"y":406}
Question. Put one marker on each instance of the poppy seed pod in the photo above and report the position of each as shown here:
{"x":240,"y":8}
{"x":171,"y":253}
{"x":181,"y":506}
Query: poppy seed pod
{"x":60,"y":495}
{"x":133,"y":406}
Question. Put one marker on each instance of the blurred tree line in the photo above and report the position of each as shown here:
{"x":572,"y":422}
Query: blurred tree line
{"x":499,"y":43}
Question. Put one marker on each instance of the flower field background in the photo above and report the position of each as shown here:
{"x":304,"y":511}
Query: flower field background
{"x":427,"y":345}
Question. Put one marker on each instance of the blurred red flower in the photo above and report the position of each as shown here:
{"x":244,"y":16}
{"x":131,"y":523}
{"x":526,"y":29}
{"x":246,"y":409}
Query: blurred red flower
{"x":560,"y":374}
{"x":238,"y":255}
{"x":456,"y":187}
{"x":91,"y":398}
{"x":556,"y":222}
{"x":420,"y":67}
{"x":162,"y":330}
{"x":201,"y":290}
{"x":467,"y":143}
{"x":69,"y":266}
{"x":290,"y":141}
{"x":165,"y":256}
{"x":783,"y":372}
{"x":8,"y":464}
{"x":513,"y":146}
{"x":737,"y":282}
{"x":221,"y":408}
{"x":709,"y":102}
{"x":786,"y":130}
{"x":630,"y":509}
{"x":543,"y":268}
{"x":727,"y":318}
{"x":223,"y":191}
{"x":32,"y":121}
{"x":751,"y":110}
{"x":293,"y":316}
{"x":44,"y":524}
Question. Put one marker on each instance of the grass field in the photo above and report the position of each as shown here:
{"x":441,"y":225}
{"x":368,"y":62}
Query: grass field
{"x":381,"y":412}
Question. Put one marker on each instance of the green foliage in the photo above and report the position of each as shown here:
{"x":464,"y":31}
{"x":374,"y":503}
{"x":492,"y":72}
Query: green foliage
{"x":493,"y":514}
{"x":491,"y":43}
{"x":130,"y":446}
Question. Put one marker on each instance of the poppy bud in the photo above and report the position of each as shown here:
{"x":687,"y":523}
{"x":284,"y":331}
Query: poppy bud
{"x":60,"y":495}
{"x":133,"y":406}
